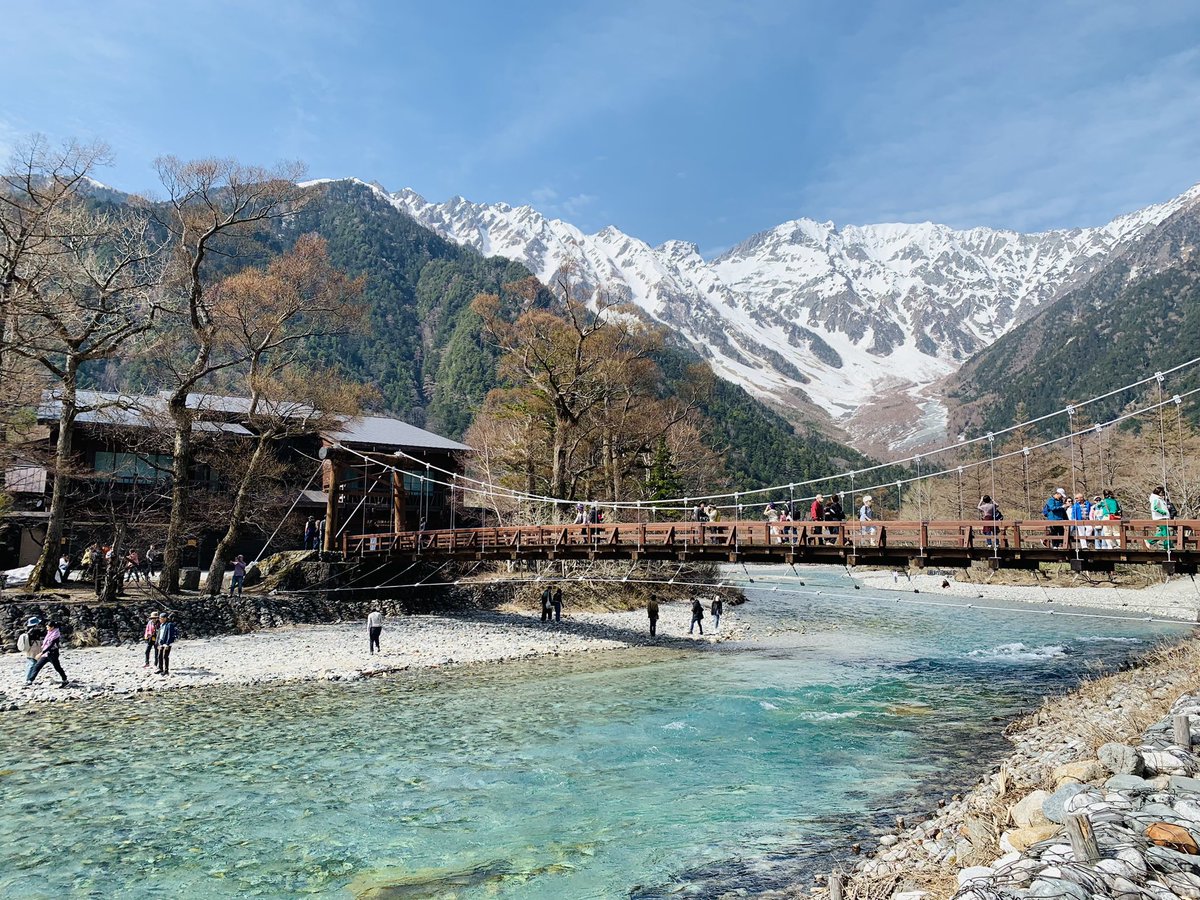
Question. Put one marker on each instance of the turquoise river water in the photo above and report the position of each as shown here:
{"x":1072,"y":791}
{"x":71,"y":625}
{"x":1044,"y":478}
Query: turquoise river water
{"x":633,"y":774}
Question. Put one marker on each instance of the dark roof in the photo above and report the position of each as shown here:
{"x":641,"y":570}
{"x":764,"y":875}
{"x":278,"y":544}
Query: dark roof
{"x":380,"y":430}
{"x":142,"y":411}
{"x":124,"y":411}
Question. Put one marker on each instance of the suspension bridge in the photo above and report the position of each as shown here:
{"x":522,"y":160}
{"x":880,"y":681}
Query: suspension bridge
{"x":635,"y":530}
{"x":1087,"y":546}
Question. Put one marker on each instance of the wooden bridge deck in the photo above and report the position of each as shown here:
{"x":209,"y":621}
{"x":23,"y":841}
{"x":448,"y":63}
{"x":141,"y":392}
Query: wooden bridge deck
{"x":1086,"y":545}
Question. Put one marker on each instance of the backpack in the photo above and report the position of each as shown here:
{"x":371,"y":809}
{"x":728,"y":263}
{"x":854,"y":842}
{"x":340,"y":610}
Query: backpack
{"x":996,"y":514}
{"x":23,"y":642}
{"x":1172,"y":512}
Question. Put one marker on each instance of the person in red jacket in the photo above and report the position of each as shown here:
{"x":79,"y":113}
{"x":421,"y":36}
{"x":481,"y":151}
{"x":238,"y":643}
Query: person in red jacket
{"x":817,"y":514}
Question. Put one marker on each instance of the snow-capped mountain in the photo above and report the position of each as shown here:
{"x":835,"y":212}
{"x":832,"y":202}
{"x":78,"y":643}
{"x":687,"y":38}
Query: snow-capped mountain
{"x":859,"y":320}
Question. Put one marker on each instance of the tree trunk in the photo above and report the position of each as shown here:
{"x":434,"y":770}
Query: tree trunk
{"x":114,"y":574}
{"x":47,"y":564}
{"x":181,"y":466}
{"x":558,"y":467}
{"x":241,"y":504}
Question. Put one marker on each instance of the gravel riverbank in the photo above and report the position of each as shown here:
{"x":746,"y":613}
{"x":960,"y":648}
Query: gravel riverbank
{"x":339,"y":652}
{"x":1178,"y":598}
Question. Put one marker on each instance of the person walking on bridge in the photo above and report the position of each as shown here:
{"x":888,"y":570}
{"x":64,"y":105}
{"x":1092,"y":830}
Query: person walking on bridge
{"x":697,"y":616}
{"x":374,"y":630}
{"x":1161,"y":509}
{"x":1081,"y":511}
{"x":989,"y":511}
{"x":834,"y":513}
{"x":1055,"y":510}
{"x":817,"y":514}
{"x":652,"y":613}
{"x":866,"y":515}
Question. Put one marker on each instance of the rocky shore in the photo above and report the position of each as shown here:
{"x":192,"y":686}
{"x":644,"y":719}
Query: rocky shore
{"x":339,"y":652}
{"x":1107,"y":753}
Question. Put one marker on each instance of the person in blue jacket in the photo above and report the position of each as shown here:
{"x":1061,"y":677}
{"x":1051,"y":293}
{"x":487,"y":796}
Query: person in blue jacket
{"x":1055,"y":510}
{"x":168,"y":634}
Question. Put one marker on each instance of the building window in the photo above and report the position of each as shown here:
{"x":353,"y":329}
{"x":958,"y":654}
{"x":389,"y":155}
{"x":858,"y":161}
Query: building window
{"x":128,"y":468}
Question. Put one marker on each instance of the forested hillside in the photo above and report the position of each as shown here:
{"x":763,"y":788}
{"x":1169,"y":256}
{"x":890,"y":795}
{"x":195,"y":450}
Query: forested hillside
{"x":425,"y":353}
{"x":422,"y":347}
{"x":1139,"y":314}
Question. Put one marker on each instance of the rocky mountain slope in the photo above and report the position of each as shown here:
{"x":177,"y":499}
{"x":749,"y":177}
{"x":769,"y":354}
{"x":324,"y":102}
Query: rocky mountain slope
{"x":1138,"y":314}
{"x":858,"y":321}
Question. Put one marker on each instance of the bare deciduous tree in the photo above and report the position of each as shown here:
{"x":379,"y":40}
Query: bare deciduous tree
{"x":211,"y":205}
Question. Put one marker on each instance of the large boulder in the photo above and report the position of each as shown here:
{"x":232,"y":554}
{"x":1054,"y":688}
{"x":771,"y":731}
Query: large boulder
{"x":1028,"y":811}
{"x":1021,"y":839}
{"x":1121,"y":759}
{"x":1082,"y":771}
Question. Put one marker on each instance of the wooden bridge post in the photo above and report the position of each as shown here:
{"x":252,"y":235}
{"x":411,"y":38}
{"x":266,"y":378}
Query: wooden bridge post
{"x":331,"y":500}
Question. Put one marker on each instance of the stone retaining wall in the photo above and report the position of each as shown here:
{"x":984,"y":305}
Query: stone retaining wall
{"x":92,"y":622}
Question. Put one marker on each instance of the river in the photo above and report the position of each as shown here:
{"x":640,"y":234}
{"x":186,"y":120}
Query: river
{"x":636,"y":773}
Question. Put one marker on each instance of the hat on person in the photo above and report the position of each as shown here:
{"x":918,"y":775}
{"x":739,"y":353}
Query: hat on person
{"x":868,"y":499}
{"x":1062,"y":491}
{"x":154,"y":615}
{"x":33,"y":620}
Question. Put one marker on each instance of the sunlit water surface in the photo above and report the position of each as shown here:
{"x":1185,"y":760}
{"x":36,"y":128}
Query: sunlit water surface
{"x":626,"y":774}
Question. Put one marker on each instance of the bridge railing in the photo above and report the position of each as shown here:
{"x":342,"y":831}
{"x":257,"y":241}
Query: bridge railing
{"x":1079,"y":537}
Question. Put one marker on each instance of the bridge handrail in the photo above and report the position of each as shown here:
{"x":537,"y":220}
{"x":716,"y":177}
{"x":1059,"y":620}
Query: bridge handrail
{"x":1075,"y":534}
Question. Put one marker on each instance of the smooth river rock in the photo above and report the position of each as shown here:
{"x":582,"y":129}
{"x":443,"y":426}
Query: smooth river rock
{"x":1028,"y":810}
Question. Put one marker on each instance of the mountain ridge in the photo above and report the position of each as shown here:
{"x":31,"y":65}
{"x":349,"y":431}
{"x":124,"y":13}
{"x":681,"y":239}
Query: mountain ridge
{"x":812,"y":316}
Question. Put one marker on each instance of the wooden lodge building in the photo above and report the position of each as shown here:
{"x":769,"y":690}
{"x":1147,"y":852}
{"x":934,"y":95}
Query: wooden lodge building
{"x":373,"y":474}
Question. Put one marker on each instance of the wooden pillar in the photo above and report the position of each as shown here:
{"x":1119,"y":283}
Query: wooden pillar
{"x":331,"y":499}
{"x":399,"y":502}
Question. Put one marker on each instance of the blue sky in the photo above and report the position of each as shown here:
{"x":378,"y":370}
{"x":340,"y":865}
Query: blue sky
{"x":697,"y":120}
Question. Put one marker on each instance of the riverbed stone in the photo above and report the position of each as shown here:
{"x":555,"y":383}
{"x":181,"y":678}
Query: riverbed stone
{"x":1121,"y":759}
{"x":1185,"y":783}
{"x":1124,"y":889}
{"x":1020,"y":839}
{"x":1183,"y":884}
{"x":972,"y":873}
{"x":1058,"y":888}
{"x":1028,"y":810}
{"x":1054,"y":807}
{"x":1131,"y":783}
{"x":1167,"y":860}
{"x":1081,"y":771}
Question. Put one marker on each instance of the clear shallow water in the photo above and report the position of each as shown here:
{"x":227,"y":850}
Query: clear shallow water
{"x":614,"y":775}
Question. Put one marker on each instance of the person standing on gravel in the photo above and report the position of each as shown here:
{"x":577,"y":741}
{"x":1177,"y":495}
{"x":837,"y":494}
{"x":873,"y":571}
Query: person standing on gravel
{"x":239,"y":575}
{"x":374,"y":630}
{"x":51,"y":644}
{"x":556,"y":602}
{"x":697,"y":616}
{"x":652,"y":612}
{"x":547,"y":597}
{"x":168,"y":634}
{"x":30,"y":643}
{"x":718,"y":607}
{"x":150,"y":636}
